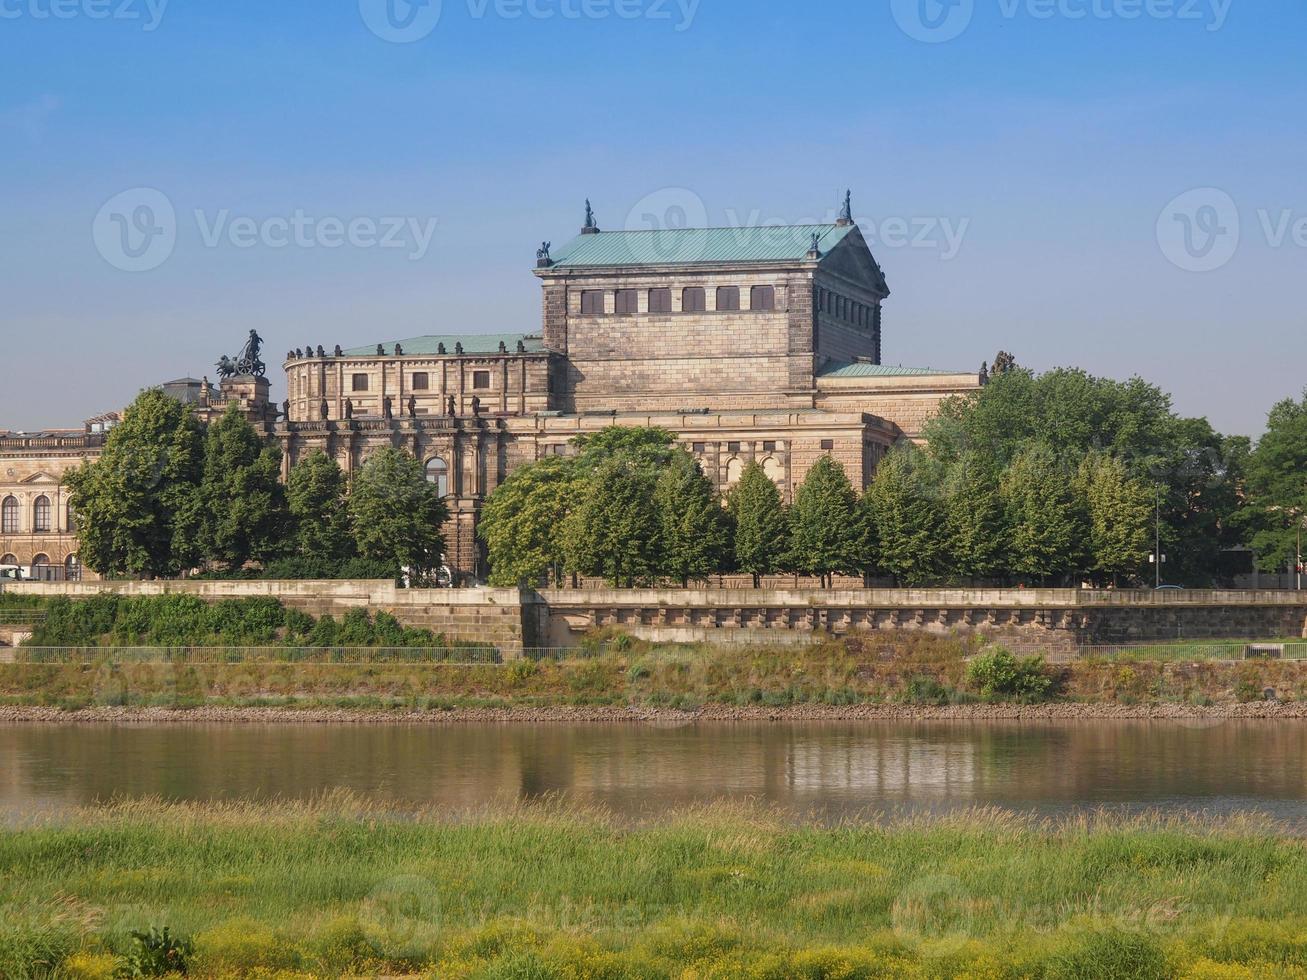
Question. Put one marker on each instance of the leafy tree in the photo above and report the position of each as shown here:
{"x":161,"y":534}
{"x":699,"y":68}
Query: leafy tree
{"x":1045,"y":514}
{"x":523,"y":519}
{"x":1120,"y":513}
{"x":133,"y":502}
{"x":904,"y":509}
{"x":975,"y":523}
{"x":397,"y":515}
{"x":615,"y":531}
{"x":316,"y":499}
{"x":1277,"y":484}
{"x":244,"y":515}
{"x":647,"y":443}
{"x":827,"y":530}
{"x":693,"y":526}
{"x":761,"y":524}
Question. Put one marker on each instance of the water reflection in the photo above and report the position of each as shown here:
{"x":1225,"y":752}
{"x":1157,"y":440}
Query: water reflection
{"x":831,"y":769}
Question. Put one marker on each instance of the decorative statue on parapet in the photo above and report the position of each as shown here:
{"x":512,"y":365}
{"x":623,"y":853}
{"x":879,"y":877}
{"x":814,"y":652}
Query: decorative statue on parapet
{"x":246,"y":363}
{"x":543,"y":261}
{"x":1003,"y":363}
{"x":846,"y":212}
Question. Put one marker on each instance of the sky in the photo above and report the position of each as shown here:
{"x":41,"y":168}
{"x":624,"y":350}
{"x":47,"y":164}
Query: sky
{"x":1111,"y":184}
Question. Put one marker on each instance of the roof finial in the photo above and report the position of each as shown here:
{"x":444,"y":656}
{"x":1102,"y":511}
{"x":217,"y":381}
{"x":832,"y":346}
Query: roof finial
{"x":591,"y":226}
{"x":846,"y":212}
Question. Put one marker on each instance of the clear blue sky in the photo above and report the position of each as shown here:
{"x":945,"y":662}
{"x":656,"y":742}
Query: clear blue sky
{"x":1053,"y":142}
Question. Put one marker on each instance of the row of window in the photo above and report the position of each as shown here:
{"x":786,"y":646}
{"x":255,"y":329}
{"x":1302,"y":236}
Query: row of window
{"x":9,"y":515}
{"x":694,"y":299}
{"x":41,"y":563}
{"x":421,"y":381}
{"x":843,"y":308}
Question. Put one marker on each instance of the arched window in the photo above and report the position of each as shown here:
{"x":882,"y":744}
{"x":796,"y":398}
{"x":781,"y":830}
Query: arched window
{"x":9,"y":516}
{"x":734,"y":470}
{"x":41,"y":568}
{"x":774,"y":470}
{"x":8,"y":559}
{"x":438,"y":473}
{"x":41,"y":514}
{"x":71,"y":519}
{"x":73,"y":569}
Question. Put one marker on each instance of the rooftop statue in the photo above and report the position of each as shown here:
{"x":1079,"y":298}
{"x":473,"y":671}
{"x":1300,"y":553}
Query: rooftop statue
{"x":246,"y":363}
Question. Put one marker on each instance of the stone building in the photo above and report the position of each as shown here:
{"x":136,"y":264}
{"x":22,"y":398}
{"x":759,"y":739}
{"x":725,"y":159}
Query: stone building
{"x":749,"y":343}
{"x":38,"y":529}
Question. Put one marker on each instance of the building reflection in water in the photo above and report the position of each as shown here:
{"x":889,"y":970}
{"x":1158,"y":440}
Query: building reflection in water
{"x":833,"y":768}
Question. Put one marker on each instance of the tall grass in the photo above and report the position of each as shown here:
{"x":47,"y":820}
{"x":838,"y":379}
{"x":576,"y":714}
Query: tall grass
{"x":340,"y":887}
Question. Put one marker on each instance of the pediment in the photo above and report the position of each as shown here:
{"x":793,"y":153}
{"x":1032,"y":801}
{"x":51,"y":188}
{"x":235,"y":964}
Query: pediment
{"x":40,"y":477}
{"x":852,"y":259}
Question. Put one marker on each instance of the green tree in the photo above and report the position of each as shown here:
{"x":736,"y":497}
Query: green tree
{"x":762,"y":533}
{"x":615,"y":531}
{"x":316,"y":499}
{"x":975,"y":524}
{"x":1277,"y":485}
{"x":693,"y":526}
{"x":1120,"y":514}
{"x":1046,"y":515}
{"x":522,"y":521}
{"x":244,"y":515}
{"x":827,"y":530}
{"x":133,"y":503}
{"x":397,"y":515}
{"x":904,"y":508}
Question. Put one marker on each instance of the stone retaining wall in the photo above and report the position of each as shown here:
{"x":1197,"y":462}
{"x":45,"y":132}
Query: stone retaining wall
{"x":1055,"y":622}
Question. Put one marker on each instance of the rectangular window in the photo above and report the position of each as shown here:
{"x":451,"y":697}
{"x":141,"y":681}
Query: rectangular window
{"x":660,"y":301}
{"x":827,"y":445}
{"x":762,"y":298}
{"x":728,"y":297}
{"x":768,"y":446}
{"x":360,"y":382}
{"x":592,"y":302}
{"x":481,"y":379}
{"x":626,"y":301}
{"x":693,"y":300}
{"x":732,"y":447}
{"x":421,"y":381}
{"x":698,"y":448}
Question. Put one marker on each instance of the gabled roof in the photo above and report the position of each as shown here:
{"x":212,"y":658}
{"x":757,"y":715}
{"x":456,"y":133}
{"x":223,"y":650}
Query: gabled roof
{"x":859,"y":369}
{"x":688,"y":246}
{"x":472,"y":344}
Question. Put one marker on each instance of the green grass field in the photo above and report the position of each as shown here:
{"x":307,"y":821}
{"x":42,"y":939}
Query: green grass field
{"x":339,"y":889}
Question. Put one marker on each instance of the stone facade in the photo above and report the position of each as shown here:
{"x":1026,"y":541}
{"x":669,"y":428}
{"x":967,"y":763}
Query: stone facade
{"x":749,"y":344}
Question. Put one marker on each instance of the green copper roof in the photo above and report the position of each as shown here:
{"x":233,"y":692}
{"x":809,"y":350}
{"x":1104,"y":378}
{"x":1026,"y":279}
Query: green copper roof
{"x":860,"y":370}
{"x":487,"y":343}
{"x":680,"y":246}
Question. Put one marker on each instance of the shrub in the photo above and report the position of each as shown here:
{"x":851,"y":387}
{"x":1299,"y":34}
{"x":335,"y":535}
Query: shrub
{"x":157,"y":953}
{"x":925,"y":690}
{"x":1107,"y":953}
{"x":998,"y":675}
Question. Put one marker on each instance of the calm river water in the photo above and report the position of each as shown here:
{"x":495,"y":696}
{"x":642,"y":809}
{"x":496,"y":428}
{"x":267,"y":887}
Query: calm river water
{"x":829,"y":770}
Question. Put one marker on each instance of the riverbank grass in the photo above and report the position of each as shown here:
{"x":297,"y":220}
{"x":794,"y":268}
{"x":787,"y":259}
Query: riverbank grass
{"x":343,"y":889}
